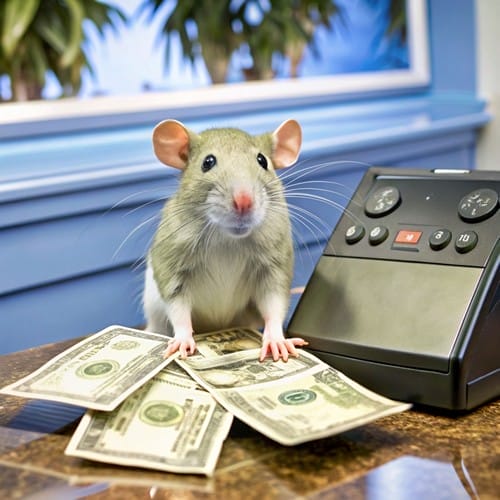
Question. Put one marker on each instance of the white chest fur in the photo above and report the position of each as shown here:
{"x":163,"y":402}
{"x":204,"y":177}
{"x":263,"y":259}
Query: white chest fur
{"x":221,"y":295}
{"x":223,"y":292}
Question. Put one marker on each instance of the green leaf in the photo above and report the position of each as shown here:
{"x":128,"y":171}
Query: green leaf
{"x":101,"y":15}
{"x":76,"y":16}
{"x":53,"y":35}
{"x":38,"y":60}
{"x":18,"y":15}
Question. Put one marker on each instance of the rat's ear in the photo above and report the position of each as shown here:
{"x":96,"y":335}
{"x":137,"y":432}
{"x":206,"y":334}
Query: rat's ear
{"x":171,"y":143}
{"x":287,"y":139}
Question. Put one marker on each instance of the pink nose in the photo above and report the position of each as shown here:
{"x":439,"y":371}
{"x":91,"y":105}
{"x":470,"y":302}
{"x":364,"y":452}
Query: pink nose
{"x":242,"y":202}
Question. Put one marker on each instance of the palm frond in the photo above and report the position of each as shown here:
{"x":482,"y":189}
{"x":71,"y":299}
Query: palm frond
{"x":40,"y":36}
{"x":16,"y":18}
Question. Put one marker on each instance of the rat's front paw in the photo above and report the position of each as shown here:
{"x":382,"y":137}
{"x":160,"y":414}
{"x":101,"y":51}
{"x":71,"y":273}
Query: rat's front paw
{"x":280,"y":347}
{"x":185,"y":346}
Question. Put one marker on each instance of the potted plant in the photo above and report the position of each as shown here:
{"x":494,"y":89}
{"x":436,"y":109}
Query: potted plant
{"x":287,"y":27}
{"x":40,"y":36}
{"x":214,"y":29}
{"x":205,"y":28}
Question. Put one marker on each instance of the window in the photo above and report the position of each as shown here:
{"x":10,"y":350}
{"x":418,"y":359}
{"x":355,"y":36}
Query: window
{"x":331,"y":74}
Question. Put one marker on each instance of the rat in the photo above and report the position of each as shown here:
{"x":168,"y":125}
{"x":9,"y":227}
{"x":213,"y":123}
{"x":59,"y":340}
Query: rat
{"x":222,"y":255}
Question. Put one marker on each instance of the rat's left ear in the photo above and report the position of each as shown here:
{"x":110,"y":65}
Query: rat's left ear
{"x":287,"y":139}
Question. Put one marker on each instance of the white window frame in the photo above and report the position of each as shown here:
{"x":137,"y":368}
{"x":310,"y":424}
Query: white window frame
{"x":71,"y":114}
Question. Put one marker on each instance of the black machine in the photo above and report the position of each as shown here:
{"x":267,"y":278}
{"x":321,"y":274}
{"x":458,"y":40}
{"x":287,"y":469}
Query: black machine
{"x":406,"y":296}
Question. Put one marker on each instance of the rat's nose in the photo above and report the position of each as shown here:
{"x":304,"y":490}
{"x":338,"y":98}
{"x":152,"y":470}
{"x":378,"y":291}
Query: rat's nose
{"x":242,"y":202}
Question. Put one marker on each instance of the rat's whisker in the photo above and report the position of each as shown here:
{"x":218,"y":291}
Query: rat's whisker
{"x":299,"y":172}
{"x":308,"y":215}
{"x":321,"y":199}
{"x":140,"y":263}
{"x":125,"y":201}
{"x":300,"y":194}
{"x":146,"y":204}
{"x":299,"y":241}
{"x":311,"y":226}
{"x":300,"y":216}
{"x":131,"y":233}
{"x":308,"y":190}
{"x":311,"y":186}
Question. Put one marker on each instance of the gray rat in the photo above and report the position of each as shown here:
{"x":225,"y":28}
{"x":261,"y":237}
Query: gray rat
{"x":222,"y":255}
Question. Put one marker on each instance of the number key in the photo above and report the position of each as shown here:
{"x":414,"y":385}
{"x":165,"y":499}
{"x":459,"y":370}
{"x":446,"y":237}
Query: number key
{"x":439,"y":239}
{"x":466,"y":241}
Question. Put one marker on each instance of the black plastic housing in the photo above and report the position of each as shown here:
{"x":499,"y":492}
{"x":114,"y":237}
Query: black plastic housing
{"x":406,"y":317}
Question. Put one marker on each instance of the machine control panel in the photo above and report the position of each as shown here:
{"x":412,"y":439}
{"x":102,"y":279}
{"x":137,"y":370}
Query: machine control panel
{"x":431,"y":217}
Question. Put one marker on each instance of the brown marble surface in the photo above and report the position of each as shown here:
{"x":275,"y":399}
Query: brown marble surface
{"x":416,"y":454}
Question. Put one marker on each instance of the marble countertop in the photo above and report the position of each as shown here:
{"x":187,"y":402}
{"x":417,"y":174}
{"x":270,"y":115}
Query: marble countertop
{"x":416,"y":454}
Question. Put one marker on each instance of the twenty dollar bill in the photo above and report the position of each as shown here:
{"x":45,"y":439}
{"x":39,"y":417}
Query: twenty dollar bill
{"x":98,"y":372}
{"x":293,"y":402}
{"x":169,"y":424}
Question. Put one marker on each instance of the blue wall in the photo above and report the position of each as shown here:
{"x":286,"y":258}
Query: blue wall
{"x":452,"y":34}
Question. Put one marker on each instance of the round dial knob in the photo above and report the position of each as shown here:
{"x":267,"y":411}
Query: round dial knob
{"x":382,"y":201}
{"x":478,"y":205}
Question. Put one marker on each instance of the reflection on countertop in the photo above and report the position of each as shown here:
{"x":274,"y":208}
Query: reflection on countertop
{"x":414,"y":455}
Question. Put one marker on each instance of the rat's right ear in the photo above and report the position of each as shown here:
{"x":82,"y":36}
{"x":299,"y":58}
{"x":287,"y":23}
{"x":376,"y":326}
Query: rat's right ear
{"x":171,"y":143}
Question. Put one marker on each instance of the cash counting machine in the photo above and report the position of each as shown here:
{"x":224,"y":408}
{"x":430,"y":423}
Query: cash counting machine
{"x":406,"y":296}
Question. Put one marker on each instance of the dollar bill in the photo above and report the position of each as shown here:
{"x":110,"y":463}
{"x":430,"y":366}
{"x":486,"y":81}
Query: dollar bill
{"x":294,"y":402}
{"x":214,"y":344}
{"x":170,"y":424}
{"x":98,"y":372}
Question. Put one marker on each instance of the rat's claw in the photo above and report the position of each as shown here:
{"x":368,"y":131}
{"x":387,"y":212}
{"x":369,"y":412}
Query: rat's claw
{"x":185,"y":347}
{"x":296,"y":341}
{"x":277,"y":351}
{"x":172,"y":346}
{"x":263,"y":350}
{"x":281,"y":348}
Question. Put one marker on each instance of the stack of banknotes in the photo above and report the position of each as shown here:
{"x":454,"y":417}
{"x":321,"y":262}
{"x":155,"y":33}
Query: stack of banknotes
{"x":174,"y":414}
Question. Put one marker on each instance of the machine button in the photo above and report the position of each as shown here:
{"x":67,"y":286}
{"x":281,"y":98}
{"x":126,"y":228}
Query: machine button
{"x":377,"y":235}
{"x":478,"y":205}
{"x":354,"y":233}
{"x":382,"y":201}
{"x":439,"y":239}
{"x":408,"y":237}
{"x":466,"y":241}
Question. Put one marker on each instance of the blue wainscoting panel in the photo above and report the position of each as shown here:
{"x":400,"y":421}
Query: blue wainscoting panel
{"x":78,"y":210}
{"x":71,"y":308}
{"x":60,"y":249}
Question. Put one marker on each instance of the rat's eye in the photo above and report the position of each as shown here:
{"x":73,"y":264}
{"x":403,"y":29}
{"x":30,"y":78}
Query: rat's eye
{"x":262,"y":160}
{"x":209,"y":162}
